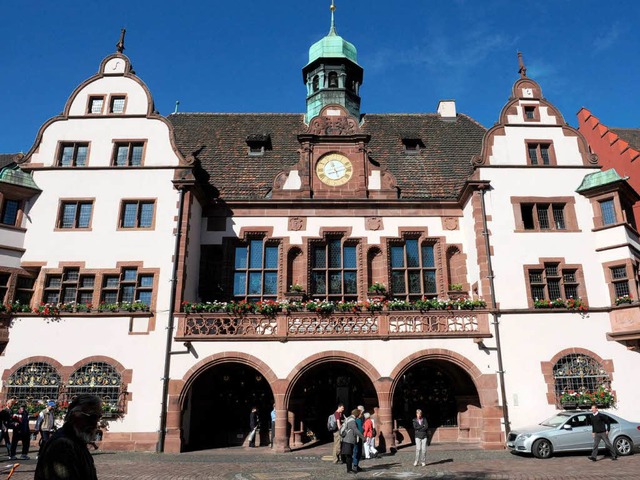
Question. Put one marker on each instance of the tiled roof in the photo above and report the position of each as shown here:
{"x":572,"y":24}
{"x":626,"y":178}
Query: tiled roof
{"x":438,"y":171}
{"x":6,"y":159}
{"x":629,"y":135}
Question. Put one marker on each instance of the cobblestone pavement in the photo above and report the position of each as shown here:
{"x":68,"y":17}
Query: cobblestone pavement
{"x":443,"y":462}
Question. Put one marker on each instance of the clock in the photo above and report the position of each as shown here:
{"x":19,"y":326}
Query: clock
{"x":334,"y":169}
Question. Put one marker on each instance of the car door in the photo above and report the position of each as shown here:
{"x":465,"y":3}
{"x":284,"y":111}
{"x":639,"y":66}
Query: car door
{"x":575,"y":434}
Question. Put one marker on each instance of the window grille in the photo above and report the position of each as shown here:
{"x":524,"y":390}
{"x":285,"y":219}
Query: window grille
{"x":10,"y":212}
{"x":256,"y":270}
{"x":34,"y":382}
{"x":100,"y":379}
{"x":543,"y":217}
{"x":334,"y":270}
{"x":608,"y":212}
{"x":117,"y":104}
{"x":578,"y":372}
{"x":558,"y":216}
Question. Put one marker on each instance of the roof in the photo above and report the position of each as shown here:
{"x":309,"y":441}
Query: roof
{"x":629,"y":135}
{"x":332,"y":46}
{"x":599,"y":179}
{"x":6,"y":159}
{"x":438,"y":171}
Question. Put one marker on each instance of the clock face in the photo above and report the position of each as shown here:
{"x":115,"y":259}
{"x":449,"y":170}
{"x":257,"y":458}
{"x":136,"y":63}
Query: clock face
{"x":334,"y":169}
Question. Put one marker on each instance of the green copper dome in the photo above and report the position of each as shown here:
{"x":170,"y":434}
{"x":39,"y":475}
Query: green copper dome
{"x":333,"y":46}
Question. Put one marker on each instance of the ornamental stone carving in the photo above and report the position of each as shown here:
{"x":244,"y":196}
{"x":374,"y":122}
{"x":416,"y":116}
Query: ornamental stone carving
{"x":373,"y":223}
{"x":297,"y":223}
{"x":450,"y":223}
{"x":339,"y":125}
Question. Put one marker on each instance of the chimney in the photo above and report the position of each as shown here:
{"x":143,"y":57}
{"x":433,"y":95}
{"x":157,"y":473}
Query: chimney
{"x":447,"y":109}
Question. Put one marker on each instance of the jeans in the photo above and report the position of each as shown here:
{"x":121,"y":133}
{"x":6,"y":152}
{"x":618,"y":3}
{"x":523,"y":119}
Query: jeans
{"x":421,"y":450}
{"x":356,"y":454}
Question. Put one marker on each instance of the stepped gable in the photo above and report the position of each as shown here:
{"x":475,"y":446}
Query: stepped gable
{"x":438,"y":171}
{"x":629,"y":135}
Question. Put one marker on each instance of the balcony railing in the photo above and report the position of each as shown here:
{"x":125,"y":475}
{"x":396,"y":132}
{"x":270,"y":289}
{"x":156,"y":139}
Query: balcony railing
{"x":337,"y":325}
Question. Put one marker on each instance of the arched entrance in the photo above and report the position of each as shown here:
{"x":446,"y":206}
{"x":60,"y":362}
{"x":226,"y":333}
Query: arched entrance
{"x":447,"y":396}
{"x":316,"y":394}
{"x":216,"y":408}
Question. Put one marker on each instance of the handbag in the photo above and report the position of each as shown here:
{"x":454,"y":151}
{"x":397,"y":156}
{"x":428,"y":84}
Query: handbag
{"x":252,"y":434}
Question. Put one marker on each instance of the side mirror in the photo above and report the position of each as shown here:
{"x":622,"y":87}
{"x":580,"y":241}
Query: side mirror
{"x":566,"y":426}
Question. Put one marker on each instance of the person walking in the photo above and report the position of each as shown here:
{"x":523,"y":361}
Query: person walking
{"x":273,"y":424}
{"x":357,"y":447}
{"x":45,"y":424}
{"x":600,"y":426}
{"x":6,"y":418}
{"x":369,"y":447}
{"x":254,"y":426}
{"x":350,"y":436}
{"x":420,"y":429}
{"x":66,"y":456}
{"x":337,"y":439}
{"x":21,"y":433}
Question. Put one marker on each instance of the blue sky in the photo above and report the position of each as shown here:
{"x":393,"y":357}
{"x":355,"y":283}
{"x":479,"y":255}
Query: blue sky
{"x":247,"y":55}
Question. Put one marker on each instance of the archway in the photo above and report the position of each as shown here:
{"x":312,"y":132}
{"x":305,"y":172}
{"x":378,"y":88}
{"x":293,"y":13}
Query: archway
{"x":216,"y":408}
{"x":317,"y":392}
{"x":445,"y":393}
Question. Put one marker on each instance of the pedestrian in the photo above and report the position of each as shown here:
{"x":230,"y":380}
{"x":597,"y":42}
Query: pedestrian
{"x":350,"y":438}
{"x":45,"y":424}
{"x":369,"y":435}
{"x":600,"y":427}
{"x":273,"y":424}
{"x":21,"y":433}
{"x":6,"y":418}
{"x":357,"y":448}
{"x":254,"y":426}
{"x":337,"y":439}
{"x":66,"y":456}
{"x":420,"y":429}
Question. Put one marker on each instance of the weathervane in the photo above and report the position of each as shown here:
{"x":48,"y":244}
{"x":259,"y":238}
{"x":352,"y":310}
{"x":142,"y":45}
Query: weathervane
{"x":523,"y":70}
{"x":120,"y":44}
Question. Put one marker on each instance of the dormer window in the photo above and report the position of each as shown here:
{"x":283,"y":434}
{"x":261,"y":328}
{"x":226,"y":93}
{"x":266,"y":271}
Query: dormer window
{"x":333,"y":80}
{"x":412,"y":145}
{"x":258,"y":143}
{"x":96,"y":104}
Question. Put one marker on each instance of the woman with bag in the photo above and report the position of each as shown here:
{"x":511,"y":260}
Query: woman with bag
{"x":254,"y":425}
{"x":350,"y":434}
{"x":370,"y":437}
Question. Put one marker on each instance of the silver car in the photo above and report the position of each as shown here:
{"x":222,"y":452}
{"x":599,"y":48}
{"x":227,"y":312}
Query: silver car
{"x":571,"y":431}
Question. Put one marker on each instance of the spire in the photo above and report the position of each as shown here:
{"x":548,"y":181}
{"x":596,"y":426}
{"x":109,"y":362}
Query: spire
{"x":120,"y":44}
{"x":332,"y":30}
{"x":523,"y":70}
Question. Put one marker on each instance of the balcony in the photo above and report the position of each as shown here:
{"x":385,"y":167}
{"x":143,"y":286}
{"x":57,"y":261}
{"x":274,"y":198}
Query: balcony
{"x":381,"y":325}
{"x":625,"y":325}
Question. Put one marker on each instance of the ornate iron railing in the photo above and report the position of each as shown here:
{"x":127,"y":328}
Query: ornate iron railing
{"x":306,"y":325}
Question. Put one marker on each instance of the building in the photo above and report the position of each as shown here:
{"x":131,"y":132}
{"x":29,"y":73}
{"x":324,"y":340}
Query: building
{"x":186,"y":245}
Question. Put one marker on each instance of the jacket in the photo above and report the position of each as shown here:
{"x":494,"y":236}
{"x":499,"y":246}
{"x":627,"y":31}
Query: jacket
{"x":352,"y":433}
{"x":368,"y":428}
{"x":65,"y":457}
{"x":599,"y":423}
{"x":420,"y":430}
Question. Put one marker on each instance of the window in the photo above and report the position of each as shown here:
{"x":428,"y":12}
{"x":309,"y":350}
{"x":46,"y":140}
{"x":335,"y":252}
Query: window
{"x":316,"y":83}
{"x":73,"y":154}
{"x":100,"y":379}
{"x":96,"y":103}
{"x":75,"y":214}
{"x":137,"y":214}
{"x":129,"y":285}
{"x":413,"y":270}
{"x":530,"y":112}
{"x":543,"y":216}
{"x":334,"y":270}
{"x":412,"y":145}
{"x":540,"y":153}
{"x":37,"y":381}
{"x":578,"y":372}
{"x":4,"y":286}
{"x":117,"y":104}
{"x":69,"y":287}
{"x":10,"y":209}
{"x":608,"y":212}
{"x":553,"y":281}
{"x":333,"y":80}
{"x":255,"y":275}
{"x":24,"y":289}
{"x":128,"y":154}
{"x":620,"y":281}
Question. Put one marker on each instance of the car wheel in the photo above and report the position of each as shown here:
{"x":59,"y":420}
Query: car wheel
{"x":623,"y":445}
{"x":542,"y":448}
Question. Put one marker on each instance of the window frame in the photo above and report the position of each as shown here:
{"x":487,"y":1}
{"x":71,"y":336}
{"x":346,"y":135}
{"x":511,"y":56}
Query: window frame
{"x":235,"y":270}
{"x":537,"y":144}
{"x":139,"y":202}
{"x":569,"y":214}
{"x":631,"y":279}
{"x":122,"y":282}
{"x":65,"y":282}
{"x":436,"y":244}
{"x":118,"y":96}
{"x":78,"y":201}
{"x":535,"y":108}
{"x":93,"y":97}
{"x":74,"y":160}
{"x":579,"y":280}
{"x":130,"y":143}
{"x":3,"y":211}
{"x":325,"y":242}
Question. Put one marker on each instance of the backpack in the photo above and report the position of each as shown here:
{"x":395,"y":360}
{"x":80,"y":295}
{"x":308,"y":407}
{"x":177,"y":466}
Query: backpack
{"x":332,"y":425}
{"x":343,"y":429}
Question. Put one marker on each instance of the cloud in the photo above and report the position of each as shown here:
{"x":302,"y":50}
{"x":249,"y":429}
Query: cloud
{"x":607,"y":39}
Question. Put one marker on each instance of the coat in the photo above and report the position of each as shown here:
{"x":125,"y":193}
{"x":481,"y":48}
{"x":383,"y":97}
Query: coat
{"x":420,"y":430}
{"x":352,"y":433}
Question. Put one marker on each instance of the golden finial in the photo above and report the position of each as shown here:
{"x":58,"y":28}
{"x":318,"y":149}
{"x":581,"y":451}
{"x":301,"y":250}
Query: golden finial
{"x":523,"y":70}
{"x":333,"y":25}
{"x":120,"y":44}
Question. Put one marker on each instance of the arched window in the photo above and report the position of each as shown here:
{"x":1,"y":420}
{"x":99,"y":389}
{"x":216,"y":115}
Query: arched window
{"x":333,"y":80}
{"x":100,"y":379}
{"x":316,"y":83}
{"x":34,"y":382}
{"x":578,"y":372}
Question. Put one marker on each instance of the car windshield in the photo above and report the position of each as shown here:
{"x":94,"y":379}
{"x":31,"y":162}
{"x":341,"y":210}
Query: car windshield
{"x":556,"y":420}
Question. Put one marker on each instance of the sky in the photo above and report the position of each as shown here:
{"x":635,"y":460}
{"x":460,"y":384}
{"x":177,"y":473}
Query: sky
{"x":247,"y":55}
